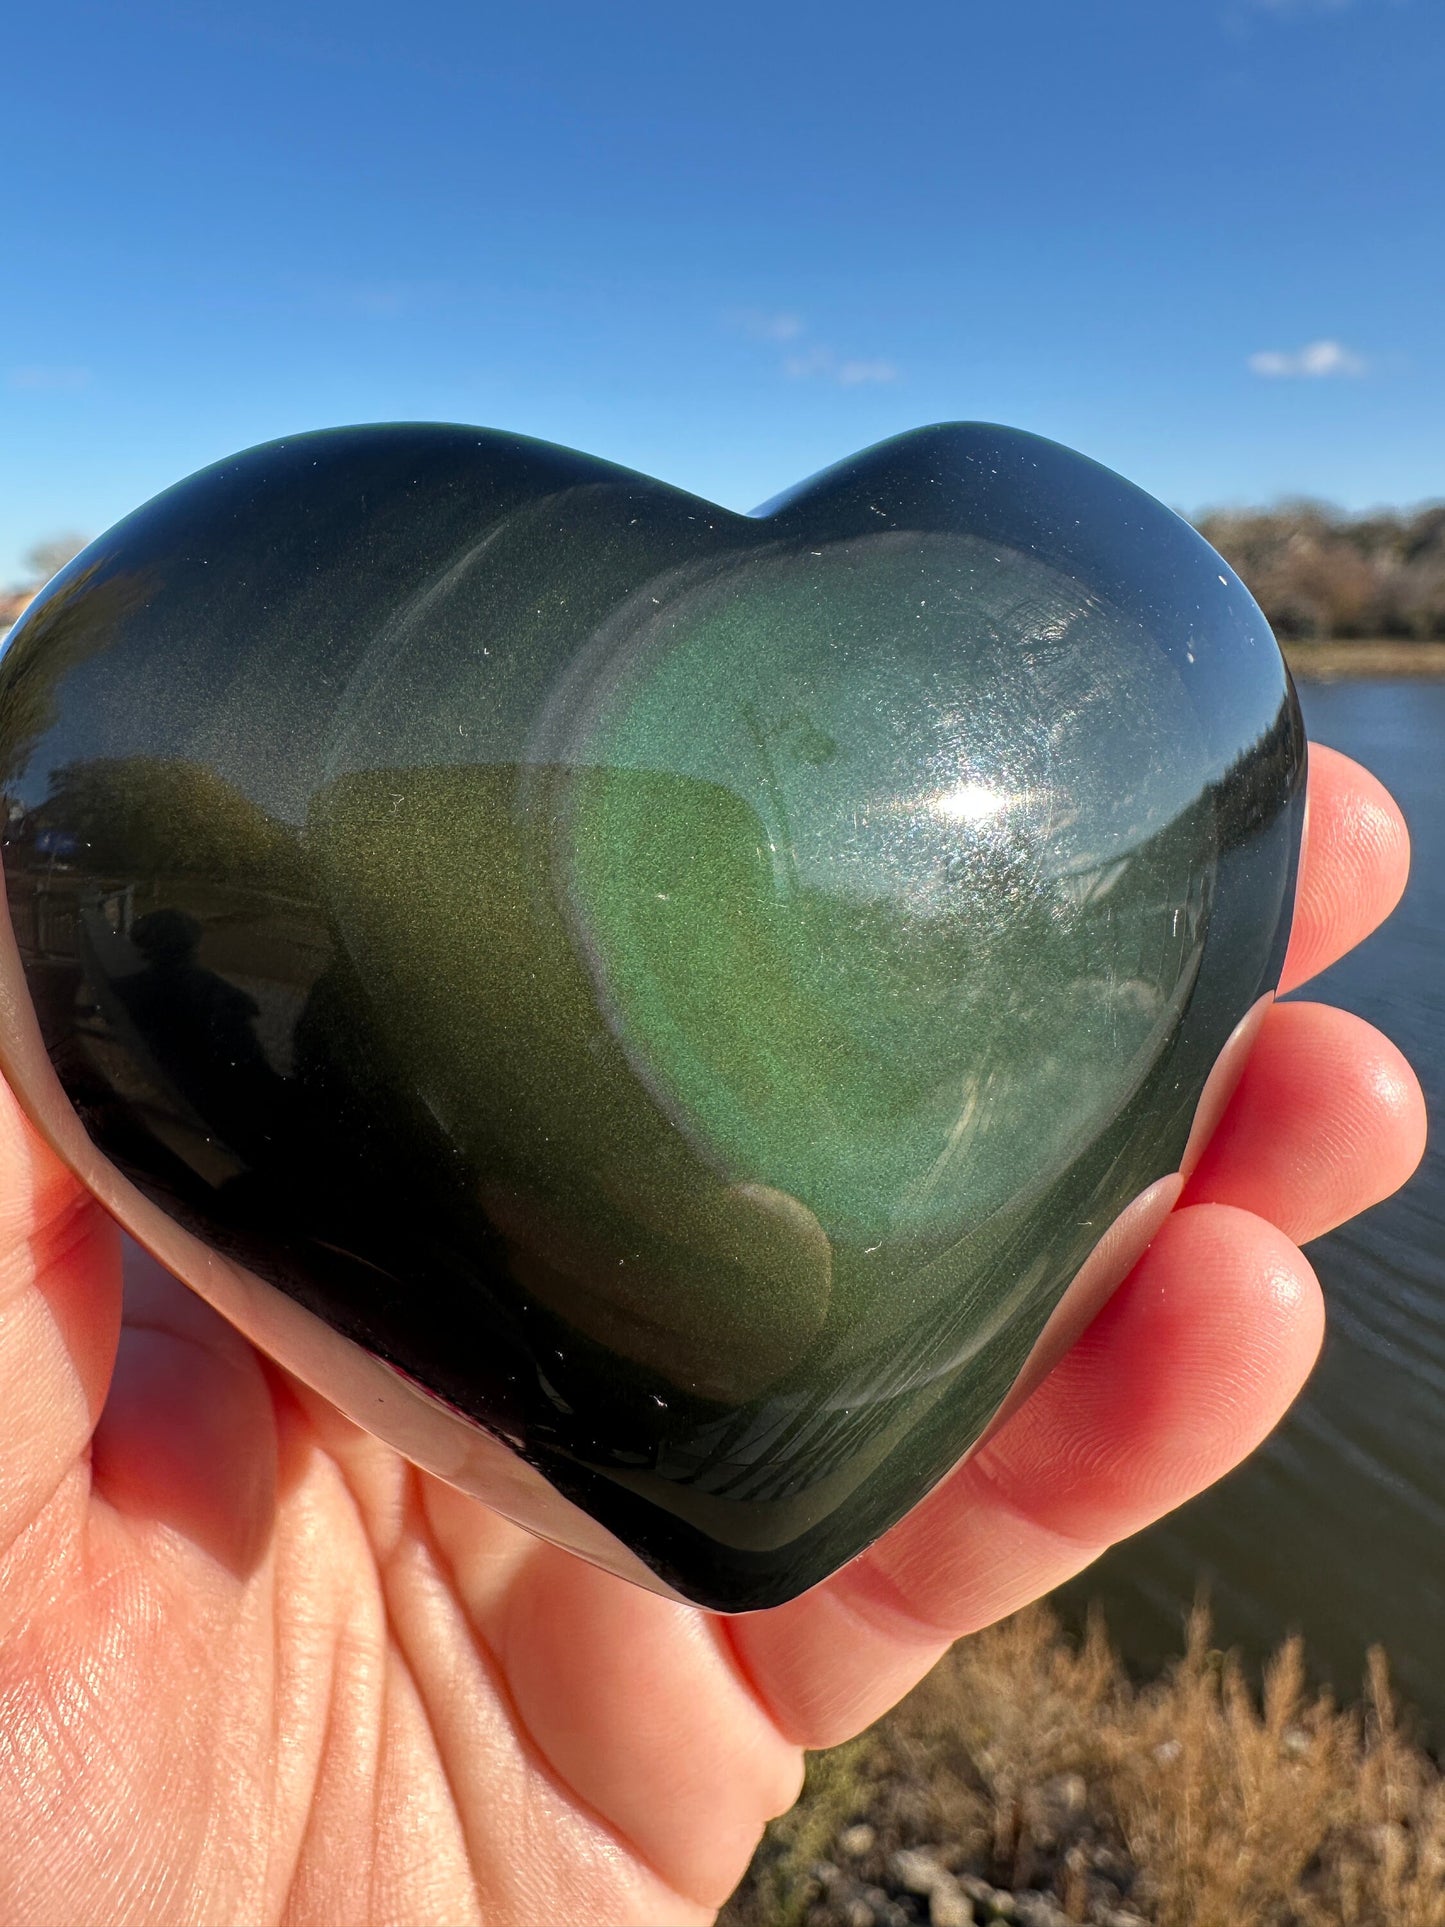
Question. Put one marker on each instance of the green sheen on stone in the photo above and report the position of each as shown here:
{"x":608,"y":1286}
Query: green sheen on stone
{"x":690,"y":990}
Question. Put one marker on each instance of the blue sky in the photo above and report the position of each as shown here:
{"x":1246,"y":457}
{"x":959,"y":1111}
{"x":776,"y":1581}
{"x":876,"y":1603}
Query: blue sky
{"x":1201,"y":240}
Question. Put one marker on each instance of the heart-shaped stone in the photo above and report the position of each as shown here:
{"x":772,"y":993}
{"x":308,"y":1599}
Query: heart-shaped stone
{"x":648,"y":1008}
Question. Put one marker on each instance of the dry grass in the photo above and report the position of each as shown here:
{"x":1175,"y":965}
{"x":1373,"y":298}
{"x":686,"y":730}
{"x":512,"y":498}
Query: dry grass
{"x":1032,"y":1763}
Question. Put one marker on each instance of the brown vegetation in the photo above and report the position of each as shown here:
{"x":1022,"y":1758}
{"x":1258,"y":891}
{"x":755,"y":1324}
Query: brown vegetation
{"x":1317,"y":572}
{"x":1332,"y":661}
{"x":1029,"y":1780}
{"x":13,"y":604}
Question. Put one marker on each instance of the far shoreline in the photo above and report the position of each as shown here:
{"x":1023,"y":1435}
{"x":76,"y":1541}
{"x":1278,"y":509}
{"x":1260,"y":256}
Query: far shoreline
{"x":1386,"y":658}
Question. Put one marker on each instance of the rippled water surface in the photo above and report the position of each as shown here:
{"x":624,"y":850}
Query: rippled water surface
{"x":1337,"y":1527}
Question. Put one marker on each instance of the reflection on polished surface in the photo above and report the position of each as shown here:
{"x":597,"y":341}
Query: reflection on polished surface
{"x":689,"y":991}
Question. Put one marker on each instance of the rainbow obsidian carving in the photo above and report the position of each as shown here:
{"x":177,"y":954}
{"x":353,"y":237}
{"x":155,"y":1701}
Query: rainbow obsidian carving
{"x":651,"y":1009}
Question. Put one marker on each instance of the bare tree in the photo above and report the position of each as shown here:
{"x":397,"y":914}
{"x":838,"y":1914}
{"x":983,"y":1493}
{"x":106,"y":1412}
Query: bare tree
{"x":1319,"y":572}
{"x":49,"y":557}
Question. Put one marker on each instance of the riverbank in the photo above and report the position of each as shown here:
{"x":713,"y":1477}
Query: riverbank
{"x":1030,"y":1780}
{"x":1385,"y":658}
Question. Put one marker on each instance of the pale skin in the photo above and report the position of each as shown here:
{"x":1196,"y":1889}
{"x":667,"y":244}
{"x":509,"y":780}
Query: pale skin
{"x":255,"y":1669}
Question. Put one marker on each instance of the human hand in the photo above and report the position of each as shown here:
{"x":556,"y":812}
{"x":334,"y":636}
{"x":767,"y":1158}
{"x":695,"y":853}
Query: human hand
{"x":254,"y":1668}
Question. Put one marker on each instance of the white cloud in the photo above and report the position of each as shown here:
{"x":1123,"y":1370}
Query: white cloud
{"x":1287,"y":7}
{"x":851,"y":373}
{"x":822,"y":363}
{"x":809,"y":360}
{"x":57,"y":380}
{"x":378,"y":299}
{"x":1314,"y":361}
{"x":760,"y":325}
{"x":385,"y":299}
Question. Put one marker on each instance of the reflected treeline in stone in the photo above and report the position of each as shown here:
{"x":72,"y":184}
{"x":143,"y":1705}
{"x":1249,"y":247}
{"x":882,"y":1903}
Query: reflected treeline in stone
{"x":690,"y":990}
{"x":1242,"y":796}
{"x":154,"y":815}
{"x":72,"y":622}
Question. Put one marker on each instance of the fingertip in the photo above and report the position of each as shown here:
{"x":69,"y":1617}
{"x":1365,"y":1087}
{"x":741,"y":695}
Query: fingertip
{"x":1327,"y":1120}
{"x":1186,"y":1370}
{"x":1400,"y":1100}
{"x":1256,"y":1273}
{"x":1354,"y":863}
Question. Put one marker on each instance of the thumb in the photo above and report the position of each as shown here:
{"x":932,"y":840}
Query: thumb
{"x":59,"y":1322}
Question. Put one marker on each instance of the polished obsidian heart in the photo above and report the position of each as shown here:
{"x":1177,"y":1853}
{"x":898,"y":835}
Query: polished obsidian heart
{"x":649,"y":1008}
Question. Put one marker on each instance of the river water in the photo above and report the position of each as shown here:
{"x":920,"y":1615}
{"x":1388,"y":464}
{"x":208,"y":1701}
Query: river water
{"x":1337,"y":1527}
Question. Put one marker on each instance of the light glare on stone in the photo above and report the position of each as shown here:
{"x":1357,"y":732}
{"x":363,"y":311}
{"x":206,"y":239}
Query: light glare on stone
{"x":970,"y":803}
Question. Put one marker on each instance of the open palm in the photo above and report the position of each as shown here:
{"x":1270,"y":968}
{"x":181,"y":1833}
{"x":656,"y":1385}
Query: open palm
{"x":254,"y":1668}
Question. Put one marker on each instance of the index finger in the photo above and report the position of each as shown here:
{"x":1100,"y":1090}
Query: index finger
{"x":1353,"y":865}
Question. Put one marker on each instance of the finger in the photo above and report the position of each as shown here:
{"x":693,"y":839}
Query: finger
{"x":638,"y":1706}
{"x":1353,"y":865}
{"x":187,"y":1440}
{"x":59,"y":1315}
{"x":1326,"y":1120}
{"x":1182,"y":1374}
